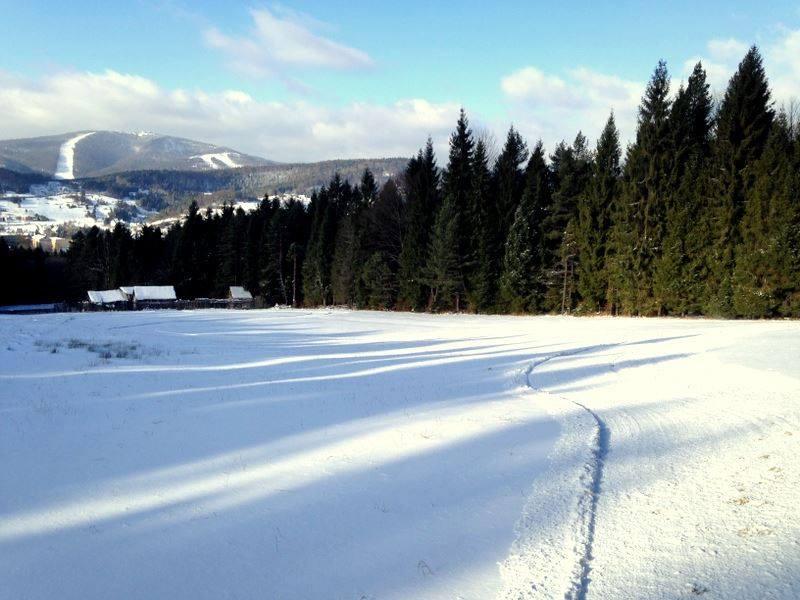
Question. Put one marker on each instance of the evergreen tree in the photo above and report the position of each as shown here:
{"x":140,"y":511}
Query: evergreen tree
{"x":120,"y":256}
{"x":679,"y":268}
{"x":190,"y":268}
{"x":275,"y":247}
{"x":525,"y":249}
{"x":457,"y":184}
{"x":766,"y":257}
{"x":346,"y":256}
{"x":743,"y":125}
{"x":594,"y":216}
{"x":226,"y":251}
{"x":646,"y":184}
{"x":445,"y":276}
{"x":383,"y":243}
{"x":486,"y":231}
{"x":253,"y":258}
{"x":150,"y":266}
{"x":385,"y":224}
{"x":509,"y":180}
{"x":421,"y":183}
{"x":296,"y":225}
{"x":571,"y":167}
{"x":326,"y":209}
{"x":368,"y":188}
{"x":377,"y":282}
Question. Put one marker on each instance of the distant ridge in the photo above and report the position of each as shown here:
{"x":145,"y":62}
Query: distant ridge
{"x":82,"y":154}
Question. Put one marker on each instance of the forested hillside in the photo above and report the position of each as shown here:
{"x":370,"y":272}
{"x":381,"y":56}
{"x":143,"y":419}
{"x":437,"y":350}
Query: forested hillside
{"x":700,"y":215}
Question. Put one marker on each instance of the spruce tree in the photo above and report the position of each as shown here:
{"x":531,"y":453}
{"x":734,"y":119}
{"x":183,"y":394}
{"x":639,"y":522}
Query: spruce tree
{"x":421,"y":183}
{"x":571,"y":168}
{"x":766,"y":256}
{"x":190,"y":267}
{"x":646,"y":185}
{"x":327,"y":208}
{"x":346,"y":256}
{"x":509,"y":179}
{"x":377,"y":282}
{"x":594,"y":215}
{"x":525,"y":249}
{"x":679,"y":269}
{"x":486,"y":231}
{"x":457,"y":182}
{"x":444,"y":270}
{"x":225,"y":252}
{"x":743,"y":125}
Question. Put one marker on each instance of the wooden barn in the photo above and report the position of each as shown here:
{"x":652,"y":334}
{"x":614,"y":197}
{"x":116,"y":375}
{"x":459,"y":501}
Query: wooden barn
{"x":154,"y":296}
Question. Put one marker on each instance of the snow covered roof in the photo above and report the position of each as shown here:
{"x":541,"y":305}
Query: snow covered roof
{"x":127,"y":289}
{"x":154,"y":292}
{"x":105,"y":296}
{"x":239,"y":293}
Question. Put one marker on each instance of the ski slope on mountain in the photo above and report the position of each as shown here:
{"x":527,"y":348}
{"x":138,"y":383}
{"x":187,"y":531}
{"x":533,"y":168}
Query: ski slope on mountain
{"x":65,"y":168}
{"x":337,"y":454}
{"x":219,"y":160}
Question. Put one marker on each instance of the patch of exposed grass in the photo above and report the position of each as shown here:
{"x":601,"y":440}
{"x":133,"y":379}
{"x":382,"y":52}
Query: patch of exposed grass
{"x":106,"y":350}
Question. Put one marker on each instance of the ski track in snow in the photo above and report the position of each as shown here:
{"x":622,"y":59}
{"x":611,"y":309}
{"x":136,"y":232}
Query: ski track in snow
{"x":591,"y":478}
{"x":66,"y":157}
{"x":696,"y":498}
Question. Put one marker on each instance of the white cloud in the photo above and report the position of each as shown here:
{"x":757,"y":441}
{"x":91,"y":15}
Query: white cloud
{"x":284,"y":131}
{"x":553,"y":107}
{"x":532,"y":84}
{"x":781,"y":61}
{"x":279,"y":42}
{"x":727,"y":50}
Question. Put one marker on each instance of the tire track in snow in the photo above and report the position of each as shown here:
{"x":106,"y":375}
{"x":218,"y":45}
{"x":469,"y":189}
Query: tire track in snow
{"x":587,"y":505}
{"x":591,"y":481}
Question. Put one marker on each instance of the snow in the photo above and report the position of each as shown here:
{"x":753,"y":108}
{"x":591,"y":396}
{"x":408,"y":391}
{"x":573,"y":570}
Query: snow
{"x":337,"y":454}
{"x":106,"y":296}
{"x":23,"y":308}
{"x":154,"y":292}
{"x":21,"y":214}
{"x":239,"y":293}
{"x":219,"y":160}
{"x":66,"y":157}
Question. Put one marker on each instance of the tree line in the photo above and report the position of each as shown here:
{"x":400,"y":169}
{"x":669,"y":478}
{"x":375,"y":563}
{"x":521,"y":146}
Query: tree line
{"x":700,"y":216}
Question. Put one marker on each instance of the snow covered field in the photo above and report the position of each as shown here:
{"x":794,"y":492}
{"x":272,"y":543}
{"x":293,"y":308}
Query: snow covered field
{"x":333,"y":454}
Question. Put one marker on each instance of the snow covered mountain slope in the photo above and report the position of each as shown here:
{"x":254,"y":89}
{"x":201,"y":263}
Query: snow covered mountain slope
{"x":65,"y":167}
{"x":220,"y":160}
{"x":337,"y":454}
{"x":91,"y":154}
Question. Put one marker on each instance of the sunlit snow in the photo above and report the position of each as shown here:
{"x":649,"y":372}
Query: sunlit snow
{"x":66,"y":157}
{"x":219,"y":160}
{"x":338,"y":454}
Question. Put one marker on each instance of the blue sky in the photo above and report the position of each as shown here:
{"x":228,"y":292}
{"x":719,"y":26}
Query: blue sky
{"x":312,"y":80}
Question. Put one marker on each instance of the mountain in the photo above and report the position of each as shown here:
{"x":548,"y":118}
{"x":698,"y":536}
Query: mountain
{"x":246,"y":182}
{"x":97,"y":153}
